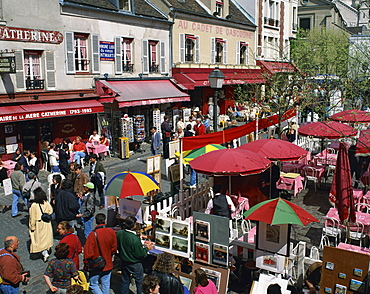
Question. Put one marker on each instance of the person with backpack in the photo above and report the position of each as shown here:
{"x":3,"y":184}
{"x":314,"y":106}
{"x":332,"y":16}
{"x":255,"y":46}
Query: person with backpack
{"x":30,"y":186}
{"x":11,"y":269}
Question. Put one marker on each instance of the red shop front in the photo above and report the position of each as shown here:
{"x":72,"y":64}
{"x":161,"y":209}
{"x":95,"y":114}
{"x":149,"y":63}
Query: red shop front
{"x":25,"y":126}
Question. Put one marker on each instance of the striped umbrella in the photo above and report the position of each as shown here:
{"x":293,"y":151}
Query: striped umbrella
{"x":130,"y":183}
{"x":279,"y":211}
{"x":189,"y":155}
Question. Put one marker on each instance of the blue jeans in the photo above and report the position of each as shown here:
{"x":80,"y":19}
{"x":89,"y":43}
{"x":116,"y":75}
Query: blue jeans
{"x":193,"y":177}
{"x":87,"y":225}
{"x":8,"y":289}
{"x":137,"y":271}
{"x":78,"y":155}
{"x":104,"y":280}
{"x":16,"y":196}
{"x":55,"y":169}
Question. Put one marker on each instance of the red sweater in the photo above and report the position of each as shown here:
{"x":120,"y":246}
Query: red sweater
{"x":79,"y":147}
{"x":10,"y":268}
{"x":107,"y":242}
{"x":200,"y":130}
{"x":73,"y":241}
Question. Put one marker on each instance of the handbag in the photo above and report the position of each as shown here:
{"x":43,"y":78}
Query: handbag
{"x":27,"y":193}
{"x":98,"y":263}
{"x":45,"y":217}
{"x":82,"y":281}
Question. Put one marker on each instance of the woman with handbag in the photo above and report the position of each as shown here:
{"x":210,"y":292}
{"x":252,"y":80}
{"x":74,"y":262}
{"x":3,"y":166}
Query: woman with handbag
{"x":61,"y":270}
{"x":75,"y":247}
{"x":41,"y":232}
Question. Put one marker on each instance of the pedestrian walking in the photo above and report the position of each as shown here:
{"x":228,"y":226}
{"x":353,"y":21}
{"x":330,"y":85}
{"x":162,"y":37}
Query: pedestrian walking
{"x":155,"y":142}
{"x":41,"y":233}
{"x":97,"y":174}
{"x":18,"y":180}
{"x":11,"y":269}
{"x":131,"y":252}
{"x":75,"y":247}
{"x":87,"y":207}
{"x":101,"y":242}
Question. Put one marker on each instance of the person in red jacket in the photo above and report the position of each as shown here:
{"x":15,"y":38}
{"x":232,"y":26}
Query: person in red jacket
{"x":108,"y":247}
{"x":75,"y":247}
{"x":11,"y":269}
{"x":199,"y":128}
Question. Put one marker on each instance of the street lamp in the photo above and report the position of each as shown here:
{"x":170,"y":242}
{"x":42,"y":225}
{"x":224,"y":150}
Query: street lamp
{"x":216,"y":80}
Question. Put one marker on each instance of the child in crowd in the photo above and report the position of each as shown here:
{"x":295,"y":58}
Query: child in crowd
{"x":150,"y":285}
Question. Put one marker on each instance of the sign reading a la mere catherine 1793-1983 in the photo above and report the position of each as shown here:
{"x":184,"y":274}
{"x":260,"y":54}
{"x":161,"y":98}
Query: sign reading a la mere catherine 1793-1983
{"x":30,"y":35}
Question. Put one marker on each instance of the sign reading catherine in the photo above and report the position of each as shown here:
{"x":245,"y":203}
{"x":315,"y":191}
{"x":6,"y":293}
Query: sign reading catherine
{"x":47,"y":114}
{"x":106,"y":50}
{"x":30,"y":35}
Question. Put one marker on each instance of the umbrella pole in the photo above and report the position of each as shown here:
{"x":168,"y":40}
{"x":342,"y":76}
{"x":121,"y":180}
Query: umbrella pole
{"x":181,"y":190}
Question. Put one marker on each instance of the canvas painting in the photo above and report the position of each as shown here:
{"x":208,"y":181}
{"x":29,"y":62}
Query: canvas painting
{"x":179,"y":244}
{"x":214,"y":276}
{"x":220,"y":254}
{"x":202,"y":231}
{"x":163,"y":225}
{"x":202,"y":252}
{"x":180,"y":229}
{"x":162,"y":240}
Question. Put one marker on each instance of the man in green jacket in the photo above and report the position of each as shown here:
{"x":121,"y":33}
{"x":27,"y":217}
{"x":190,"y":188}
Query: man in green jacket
{"x":131,"y":252}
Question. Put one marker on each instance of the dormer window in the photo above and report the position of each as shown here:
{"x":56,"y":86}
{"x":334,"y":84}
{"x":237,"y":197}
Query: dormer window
{"x":124,"y":5}
{"x":219,"y":7}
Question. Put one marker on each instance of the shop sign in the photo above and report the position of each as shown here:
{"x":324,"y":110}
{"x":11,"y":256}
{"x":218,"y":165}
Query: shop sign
{"x":46,"y":114}
{"x":106,"y":50}
{"x":7,"y":64}
{"x":30,"y":35}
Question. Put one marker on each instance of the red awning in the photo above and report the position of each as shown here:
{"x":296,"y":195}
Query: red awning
{"x":191,"y":78}
{"x":141,"y":92}
{"x":276,"y":67}
{"x":49,"y":110}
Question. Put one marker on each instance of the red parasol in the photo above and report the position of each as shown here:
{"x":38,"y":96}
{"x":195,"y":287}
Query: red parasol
{"x":352,"y":115}
{"x":341,"y":191}
{"x":275,"y":149}
{"x":363,"y":144}
{"x":230,"y":162}
{"x":327,"y":129}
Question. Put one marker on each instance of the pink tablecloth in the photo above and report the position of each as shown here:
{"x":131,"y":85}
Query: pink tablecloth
{"x":358,"y":195}
{"x":9,"y":165}
{"x":295,"y":185}
{"x":326,"y":159}
{"x":361,"y":217}
{"x":354,"y":248}
{"x":289,"y":167}
{"x":96,"y":149}
{"x":251,"y":234}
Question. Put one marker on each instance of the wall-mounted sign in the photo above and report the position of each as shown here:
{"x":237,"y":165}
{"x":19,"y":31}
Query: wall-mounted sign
{"x":106,"y":50}
{"x":7,"y":64}
{"x":30,"y":35}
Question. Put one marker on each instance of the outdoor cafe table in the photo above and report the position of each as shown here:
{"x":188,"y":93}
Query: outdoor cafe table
{"x":288,"y":167}
{"x":354,"y":248}
{"x":293,"y":183}
{"x":96,"y":149}
{"x":361,"y":217}
{"x":9,"y":165}
{"x":328,"y":159}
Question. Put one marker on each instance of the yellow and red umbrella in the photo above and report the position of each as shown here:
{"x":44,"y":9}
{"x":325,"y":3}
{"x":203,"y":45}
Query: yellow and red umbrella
{"x":189,"y":155}
{"x":130,"y":183}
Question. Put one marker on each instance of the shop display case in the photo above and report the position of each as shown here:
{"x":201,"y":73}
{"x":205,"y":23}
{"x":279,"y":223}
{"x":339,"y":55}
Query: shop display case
{"x":139,"y":128}
{"x":127,"y":128}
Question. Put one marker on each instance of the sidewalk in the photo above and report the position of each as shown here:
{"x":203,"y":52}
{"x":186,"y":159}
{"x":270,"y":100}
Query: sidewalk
{"x":314,"y":202}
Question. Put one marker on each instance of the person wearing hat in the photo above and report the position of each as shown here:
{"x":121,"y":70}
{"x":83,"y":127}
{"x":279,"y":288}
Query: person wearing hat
{"x":87,"y":207}
{"x":31,"y":185}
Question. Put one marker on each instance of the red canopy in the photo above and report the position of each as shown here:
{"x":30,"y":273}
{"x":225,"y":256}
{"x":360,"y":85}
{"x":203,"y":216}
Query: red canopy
{"x":352,"y":115}
{"x":341,"y":191}
{"x":275,"y":149}
{"x":327,"y":129}
{"x":363,"y":143}
{"x":230,"y":162}
{"x":221,"y":137}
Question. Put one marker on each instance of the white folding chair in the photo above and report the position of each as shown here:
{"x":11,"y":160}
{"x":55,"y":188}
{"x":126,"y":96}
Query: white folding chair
{"x":363,"y":207}
{"x":314,"y":253}
{"x":331,"y":229}
{"x":246,"y":226}
{"x":356,"y":232}
{"x":311,"y":174}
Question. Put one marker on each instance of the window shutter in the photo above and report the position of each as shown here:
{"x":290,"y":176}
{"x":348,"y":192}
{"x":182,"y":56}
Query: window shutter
{"x":237,"y":53}
{"x":19,"y":71}
{"x":182,"y":48}
{"x":95,"y":54}
{"x":196,"y":60}
{"x":224,"y":53}
{"x":70,"y":65}
{"x":145,"y":57}
{"x":213,"y":49}
{"x":118,"y":55}
{"x":50,"y":70}
{"x":162,"y":51}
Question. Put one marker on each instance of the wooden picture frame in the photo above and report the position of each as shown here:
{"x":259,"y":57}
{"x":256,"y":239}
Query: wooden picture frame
{"x":220,"y":276}
{"x":187,"y":280}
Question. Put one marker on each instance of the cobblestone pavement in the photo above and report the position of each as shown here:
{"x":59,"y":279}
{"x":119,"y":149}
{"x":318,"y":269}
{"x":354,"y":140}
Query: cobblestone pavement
{"x":314,"y":202}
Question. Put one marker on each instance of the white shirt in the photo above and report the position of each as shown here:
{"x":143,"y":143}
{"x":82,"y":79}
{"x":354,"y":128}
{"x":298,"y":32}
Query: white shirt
{"x":229,"y":202}
{"x":95,"y":138}
{"x":53,"y":158}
